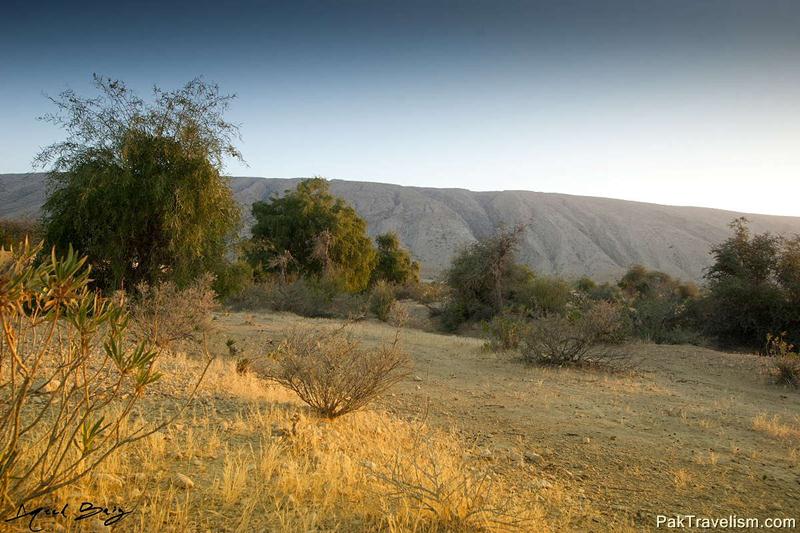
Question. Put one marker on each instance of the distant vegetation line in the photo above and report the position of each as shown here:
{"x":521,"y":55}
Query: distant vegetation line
{"x":570,"y":236}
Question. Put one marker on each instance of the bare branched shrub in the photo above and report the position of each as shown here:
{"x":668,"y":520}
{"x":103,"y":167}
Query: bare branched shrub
{"x":167,"y":316}
{"x":333,"y":373}
{"x":569,"y":340}
{"x":68,"y":378}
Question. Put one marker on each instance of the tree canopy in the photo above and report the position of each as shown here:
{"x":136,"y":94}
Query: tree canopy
{"x":394,"y":262}
{"x":312,"y":232}
{"x":137,"y":186}
{"x":753,"y":287}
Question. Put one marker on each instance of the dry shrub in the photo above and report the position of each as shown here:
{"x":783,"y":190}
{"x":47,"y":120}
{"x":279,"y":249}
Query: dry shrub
{"x":68,"y":378}
{"x":570,"y":340}
{"x":786,"y":362}
{"x":435,"y":481}
{"x":333,"y":373}
{"x":169,"y":317}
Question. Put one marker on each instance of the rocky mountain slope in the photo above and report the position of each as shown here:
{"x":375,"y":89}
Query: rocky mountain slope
{"x":565,"y":235}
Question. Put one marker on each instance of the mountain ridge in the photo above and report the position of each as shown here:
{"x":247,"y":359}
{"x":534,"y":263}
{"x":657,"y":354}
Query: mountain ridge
{"x":566,"y":235}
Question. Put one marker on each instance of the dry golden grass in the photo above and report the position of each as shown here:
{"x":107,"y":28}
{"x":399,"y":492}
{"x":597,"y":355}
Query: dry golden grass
{"x":775,"y":426}
{"x":261,"y":461}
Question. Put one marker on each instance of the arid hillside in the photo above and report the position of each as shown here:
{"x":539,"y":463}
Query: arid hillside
{"x":566,"y":235}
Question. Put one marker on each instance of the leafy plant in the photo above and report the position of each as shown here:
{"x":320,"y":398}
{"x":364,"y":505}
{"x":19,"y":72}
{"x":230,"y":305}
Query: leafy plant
{"x":68,"y":377}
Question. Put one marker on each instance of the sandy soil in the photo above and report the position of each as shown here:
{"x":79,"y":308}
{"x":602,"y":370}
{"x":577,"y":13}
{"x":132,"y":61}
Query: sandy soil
{"x":687,"y":431}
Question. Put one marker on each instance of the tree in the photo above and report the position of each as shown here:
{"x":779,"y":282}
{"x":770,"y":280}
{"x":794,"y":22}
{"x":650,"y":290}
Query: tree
{"x":483,"y":277}
{"x":752,"y":288}
{"x":394,"y":262}
{"x":321,"y":233}
{"x":137,"y":185}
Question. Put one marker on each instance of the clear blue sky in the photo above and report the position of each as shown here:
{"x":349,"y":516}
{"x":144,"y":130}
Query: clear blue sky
{"x":681,"y":102}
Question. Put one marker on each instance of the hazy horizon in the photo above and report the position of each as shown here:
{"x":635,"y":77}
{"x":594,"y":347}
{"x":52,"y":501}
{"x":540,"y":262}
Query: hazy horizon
{"x":676,"y":103}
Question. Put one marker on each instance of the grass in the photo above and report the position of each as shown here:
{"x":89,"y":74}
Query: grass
{"x":776,"y":427}
{"x":259,"y":460}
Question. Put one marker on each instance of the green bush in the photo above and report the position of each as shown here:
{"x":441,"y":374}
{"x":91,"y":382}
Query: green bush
{"x":662,"y":308}
{"x":394,"y":262}
{"x":138,"y":187}
{"x":311,"y":233}
{"x":482,"y":279}
{"x":232,"y":279}
{"x":382,"y":300}
{"x":13,"y":232}
{"x":504,"y":332}
{"x":545,"y":295}
{"x":311,"y":297}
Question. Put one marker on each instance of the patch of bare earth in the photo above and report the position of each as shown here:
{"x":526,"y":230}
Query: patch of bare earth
{"x":687,"y":431}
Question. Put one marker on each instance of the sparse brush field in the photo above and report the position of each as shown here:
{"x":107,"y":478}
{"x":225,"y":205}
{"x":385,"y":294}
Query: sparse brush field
{"x":470,"y":441}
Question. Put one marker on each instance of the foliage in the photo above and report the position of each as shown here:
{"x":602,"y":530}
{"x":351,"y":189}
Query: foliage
{"x":544,"y":295}
{"x":394,"y":262}
{"x":604,"y":291}
{"x":311,"y":232}
{"x":333,"y":373}
{"x":786,"y":361}
{"x":662,"y":306}
{"x":504,"y":332}
{"x":311,"y":297}
{"x":232,"y":279}
{"x":482,"y":278}
{"x":137,"y":186}
{"x":753,"y":288}
{"x":14,"y":231}
{"x":68,"y":380}
{"x":382,"y":300}
{"x":168,"y":317}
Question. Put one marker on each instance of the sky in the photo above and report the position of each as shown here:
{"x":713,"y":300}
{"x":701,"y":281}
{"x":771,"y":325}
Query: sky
{"x":677,"y":102}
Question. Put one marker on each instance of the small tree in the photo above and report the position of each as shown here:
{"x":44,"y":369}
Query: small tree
{"x":482,"y":277}
{"x":394,"y":262}
{"x":137,"y":186}
{"x":322,"y":234}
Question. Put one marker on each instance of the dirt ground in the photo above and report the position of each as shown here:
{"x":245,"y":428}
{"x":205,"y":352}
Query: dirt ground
{"x":686,"y":430}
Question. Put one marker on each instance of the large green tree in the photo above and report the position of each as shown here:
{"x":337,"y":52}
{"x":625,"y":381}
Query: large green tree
{"x":314,"y":233}
{"x":753,"y":287}
{"x":137,"y":186}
